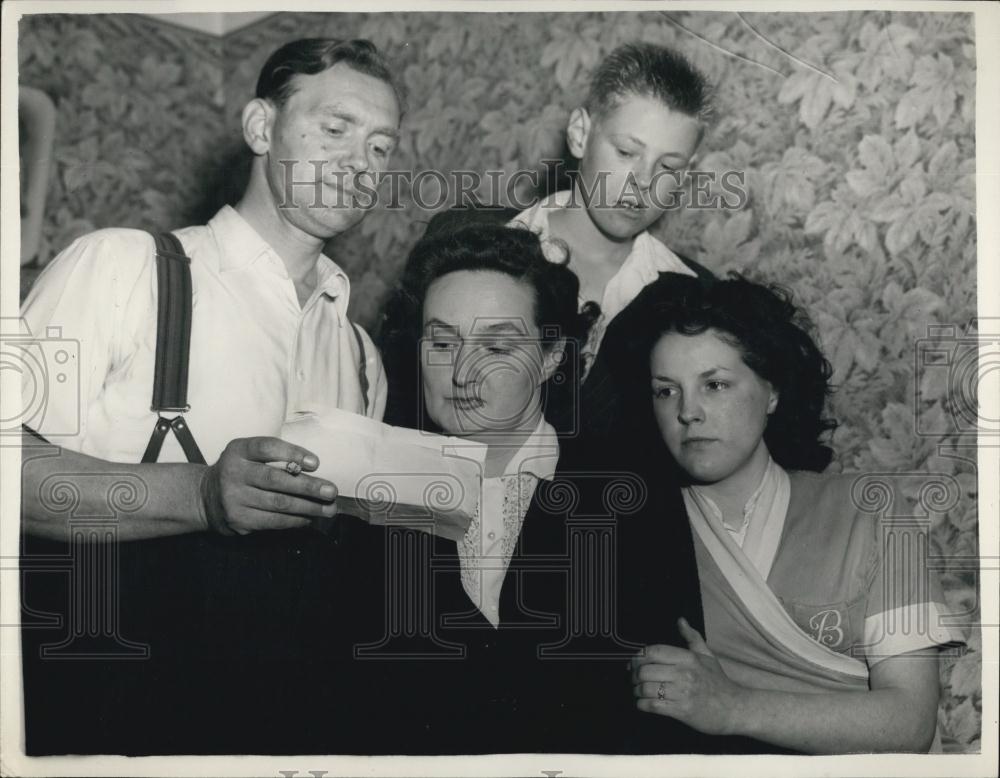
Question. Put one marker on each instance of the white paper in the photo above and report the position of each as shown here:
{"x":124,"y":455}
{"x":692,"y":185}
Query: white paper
{"x":392,"y":475}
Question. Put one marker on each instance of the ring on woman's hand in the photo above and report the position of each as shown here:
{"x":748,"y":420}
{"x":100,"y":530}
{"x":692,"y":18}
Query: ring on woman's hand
{"x":661,"y":691}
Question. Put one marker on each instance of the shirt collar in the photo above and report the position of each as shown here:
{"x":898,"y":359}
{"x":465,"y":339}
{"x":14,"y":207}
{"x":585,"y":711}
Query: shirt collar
{"x":238,"y":242}
{"x":648,"y":258}
{"x":767,"y":484}
{"x":240,"y":246}
{"x":331,"y":279}
{"x":764,"y":517}
{"x":536,"y":218}
{"x":538,"y":455}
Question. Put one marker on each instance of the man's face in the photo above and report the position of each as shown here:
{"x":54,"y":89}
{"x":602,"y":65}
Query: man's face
{"x":482,"y":360}
{"x":638,"y":144}
{"x":333,"y":134}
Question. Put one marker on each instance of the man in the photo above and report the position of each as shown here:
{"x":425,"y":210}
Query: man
{"x":269,"y":336}
{"x":269,"y":330}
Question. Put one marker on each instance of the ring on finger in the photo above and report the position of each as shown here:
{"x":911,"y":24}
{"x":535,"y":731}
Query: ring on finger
{"x":293,"y":468}
{"x":661,"y":691}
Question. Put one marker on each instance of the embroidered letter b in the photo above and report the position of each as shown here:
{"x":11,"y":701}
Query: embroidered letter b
{"x":826,"y":628}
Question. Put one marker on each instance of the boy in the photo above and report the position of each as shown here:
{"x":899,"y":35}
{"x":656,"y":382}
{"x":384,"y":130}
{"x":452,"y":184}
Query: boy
{"x":643,"y":118}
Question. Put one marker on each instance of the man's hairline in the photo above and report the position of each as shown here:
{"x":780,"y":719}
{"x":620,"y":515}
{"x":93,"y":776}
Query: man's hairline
{"x":292,"y":89}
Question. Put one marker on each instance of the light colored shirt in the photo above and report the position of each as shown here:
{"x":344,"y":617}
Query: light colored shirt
{"x":759,"y":532}
{"x":883,"y":601}
{"x":256,"y":354}
{"x":649,"y":257}
{"x":485,"y":550}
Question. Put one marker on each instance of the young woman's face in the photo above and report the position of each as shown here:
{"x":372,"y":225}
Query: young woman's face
{"x":482,"y":359}
{"x":711,"y":408}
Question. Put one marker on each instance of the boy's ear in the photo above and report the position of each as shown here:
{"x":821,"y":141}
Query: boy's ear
{"x":258,"y":121}
{"x":577,"y":131}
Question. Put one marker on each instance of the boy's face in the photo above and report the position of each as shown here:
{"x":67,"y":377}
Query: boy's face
{"x":640,"y":145}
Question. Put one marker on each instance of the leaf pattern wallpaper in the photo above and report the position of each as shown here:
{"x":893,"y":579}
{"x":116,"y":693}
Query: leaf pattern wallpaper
{"x":854,"y":131}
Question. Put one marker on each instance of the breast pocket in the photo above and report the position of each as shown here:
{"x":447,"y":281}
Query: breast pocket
{"x":833,"y":625}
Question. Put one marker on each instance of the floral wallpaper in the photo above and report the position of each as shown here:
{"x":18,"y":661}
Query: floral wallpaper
{"x":139,"y":105}
{"x":854,"y":130}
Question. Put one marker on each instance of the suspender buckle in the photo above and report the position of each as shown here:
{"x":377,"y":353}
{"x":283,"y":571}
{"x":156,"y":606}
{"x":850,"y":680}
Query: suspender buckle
{"x":159,"y":409}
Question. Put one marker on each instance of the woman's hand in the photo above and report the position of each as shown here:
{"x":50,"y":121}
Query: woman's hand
{"x":686,"y":684}
{"x":897,"y":714}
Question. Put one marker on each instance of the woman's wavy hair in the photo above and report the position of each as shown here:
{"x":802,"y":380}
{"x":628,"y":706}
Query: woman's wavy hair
{"x":771,"y":333}
{"x":480,"y":241}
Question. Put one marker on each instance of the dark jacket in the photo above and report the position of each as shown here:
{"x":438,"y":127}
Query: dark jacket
{"x":603,"y":566}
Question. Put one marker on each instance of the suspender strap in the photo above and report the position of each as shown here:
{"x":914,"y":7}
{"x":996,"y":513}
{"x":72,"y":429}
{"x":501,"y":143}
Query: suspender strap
{"x":152,"y":452}
{"x":173,"y":324}
{"x":183,"y":434}
{"x":173,"y":343}
{"x":362,"y":365}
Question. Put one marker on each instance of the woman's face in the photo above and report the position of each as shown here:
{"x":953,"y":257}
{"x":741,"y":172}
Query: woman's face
{"x":482,"y":359}
{"x":711,"y":408}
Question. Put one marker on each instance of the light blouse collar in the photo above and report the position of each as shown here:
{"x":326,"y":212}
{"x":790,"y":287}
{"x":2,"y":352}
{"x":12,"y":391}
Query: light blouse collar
{"x":538,"y":455}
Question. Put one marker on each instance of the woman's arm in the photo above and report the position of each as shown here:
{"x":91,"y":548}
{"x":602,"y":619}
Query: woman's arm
{"x":898,"y":713}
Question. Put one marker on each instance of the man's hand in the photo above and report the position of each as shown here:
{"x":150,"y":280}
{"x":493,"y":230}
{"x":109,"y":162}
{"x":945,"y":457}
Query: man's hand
{"x":686,"y":684}
{"x":241,"y":493}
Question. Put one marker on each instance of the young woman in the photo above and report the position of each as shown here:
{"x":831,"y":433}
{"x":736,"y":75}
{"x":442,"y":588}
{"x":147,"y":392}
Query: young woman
{"x":823,"y":624}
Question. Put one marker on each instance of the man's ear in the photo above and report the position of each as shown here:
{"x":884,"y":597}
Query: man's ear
{"x":258,"y":122}
{"x":577,"y":131}
{"x":552,"y":357}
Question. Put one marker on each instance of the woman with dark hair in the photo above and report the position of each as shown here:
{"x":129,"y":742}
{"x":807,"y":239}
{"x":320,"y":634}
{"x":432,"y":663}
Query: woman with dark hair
{"x":495,"y":328}
{"x":823,"y":624}
{"x":488,"y":328}
{"x":475,"y":244}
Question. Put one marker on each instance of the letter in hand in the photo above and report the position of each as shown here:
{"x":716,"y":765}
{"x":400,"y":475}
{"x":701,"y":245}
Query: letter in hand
{"x":241,"y":493}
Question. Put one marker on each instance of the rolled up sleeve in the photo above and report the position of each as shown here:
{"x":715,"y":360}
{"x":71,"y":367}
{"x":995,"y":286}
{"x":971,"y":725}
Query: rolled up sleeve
{"x":906,"y":607}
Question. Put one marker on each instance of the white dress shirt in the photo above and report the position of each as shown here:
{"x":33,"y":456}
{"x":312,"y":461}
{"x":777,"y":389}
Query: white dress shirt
{"x":256,"y":355}
{"x":485,"y":550}
{"x":649,"y":257}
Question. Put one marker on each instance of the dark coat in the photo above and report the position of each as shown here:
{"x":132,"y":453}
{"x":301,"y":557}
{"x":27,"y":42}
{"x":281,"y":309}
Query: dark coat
{"x":554,"y":677}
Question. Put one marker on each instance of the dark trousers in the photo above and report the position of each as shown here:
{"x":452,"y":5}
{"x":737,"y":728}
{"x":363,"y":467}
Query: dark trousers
{"x":236,"y":631}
